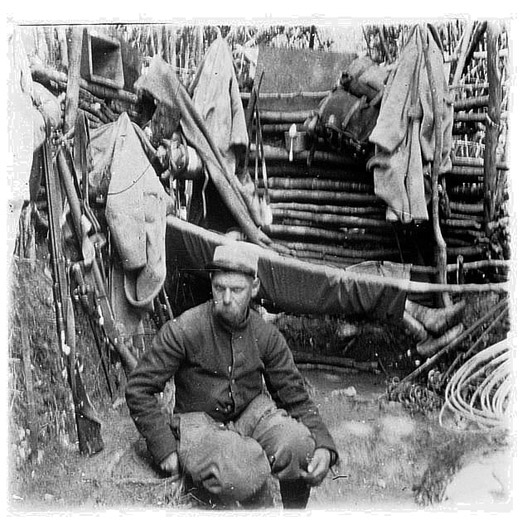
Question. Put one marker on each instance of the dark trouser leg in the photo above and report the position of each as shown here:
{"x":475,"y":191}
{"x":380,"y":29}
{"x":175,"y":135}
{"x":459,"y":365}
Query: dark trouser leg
{"x":294,"y":493}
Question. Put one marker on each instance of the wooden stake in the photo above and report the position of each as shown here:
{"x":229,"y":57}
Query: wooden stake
{"x":464,"y":44}
{"x":73,"y":77}
{"x":440,"y":250}
{"x":493,"y":123}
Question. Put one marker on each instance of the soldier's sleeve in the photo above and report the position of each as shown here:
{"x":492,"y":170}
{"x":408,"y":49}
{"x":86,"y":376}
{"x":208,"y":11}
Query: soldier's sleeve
{"x":147,"y":380}
{"x":287,"y":387}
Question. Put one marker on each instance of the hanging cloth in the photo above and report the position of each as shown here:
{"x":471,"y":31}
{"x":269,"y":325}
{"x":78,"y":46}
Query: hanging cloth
{"x":404,"y":134}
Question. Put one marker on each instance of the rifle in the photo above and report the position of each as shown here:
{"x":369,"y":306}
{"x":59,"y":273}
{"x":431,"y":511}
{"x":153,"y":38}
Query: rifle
{"x":91,"y":268}
{"x":87,"y":424}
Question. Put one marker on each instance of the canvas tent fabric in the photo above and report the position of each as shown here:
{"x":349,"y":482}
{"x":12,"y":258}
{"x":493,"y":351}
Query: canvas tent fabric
{"x":294,"y":285}
{"x":161,"y":82}
{"x":405,"y":133}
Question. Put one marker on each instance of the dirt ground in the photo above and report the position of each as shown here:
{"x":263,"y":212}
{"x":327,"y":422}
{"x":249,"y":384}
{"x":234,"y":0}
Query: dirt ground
{"x":393,"y":459}
{"x":385,"y":452}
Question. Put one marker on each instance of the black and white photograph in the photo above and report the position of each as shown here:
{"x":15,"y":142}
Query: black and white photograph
{"x":260,"y":266}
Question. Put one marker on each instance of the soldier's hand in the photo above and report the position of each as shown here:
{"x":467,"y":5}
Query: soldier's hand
{"x":171,"y":465}
{"x":318,"y":467}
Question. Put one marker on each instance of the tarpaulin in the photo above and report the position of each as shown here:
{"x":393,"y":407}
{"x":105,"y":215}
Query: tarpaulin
{"x":371,"y":289}
{"x":161,"y":82}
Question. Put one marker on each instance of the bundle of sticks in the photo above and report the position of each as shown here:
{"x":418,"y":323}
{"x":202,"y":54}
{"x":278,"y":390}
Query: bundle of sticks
{"x":328,"y":212}
{"x":100,"y":104}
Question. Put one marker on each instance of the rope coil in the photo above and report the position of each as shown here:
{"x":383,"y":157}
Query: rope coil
{"x":480,"y":392}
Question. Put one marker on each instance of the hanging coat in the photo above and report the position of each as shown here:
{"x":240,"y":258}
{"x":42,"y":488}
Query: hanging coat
{"x":405,"y":133}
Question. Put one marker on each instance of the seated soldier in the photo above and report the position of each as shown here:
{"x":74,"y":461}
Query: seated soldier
{"x":242,"y":411}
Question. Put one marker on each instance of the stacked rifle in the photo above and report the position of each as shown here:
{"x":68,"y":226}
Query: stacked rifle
{"x":82,"y":279}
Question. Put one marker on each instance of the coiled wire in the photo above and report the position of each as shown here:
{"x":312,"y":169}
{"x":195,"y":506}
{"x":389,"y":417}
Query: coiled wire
{"x":481,"y":391}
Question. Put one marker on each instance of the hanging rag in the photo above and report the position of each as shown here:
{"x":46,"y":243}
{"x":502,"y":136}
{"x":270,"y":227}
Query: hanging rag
{"x":404,"y":134}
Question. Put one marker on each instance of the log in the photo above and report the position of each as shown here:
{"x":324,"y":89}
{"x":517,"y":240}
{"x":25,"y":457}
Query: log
{"x":475,"y":116}
{"x":462,"y":207}
{"x":466,"y":171}
{"x":330,"y":219}
{"x":466,"y":251}
{"x":467,"y":217}
{"x":279,"y":154}
{"x":432,"y":360}
{"x":483,"y":54}
{"x":475,"y":191}
{"x":471,"y":103}
{"x":320,"y":233}
{"x":469,"y":86}
{"x":321,"y":196}
{"x":330,"y":208}
{"x":461,"y":223}
{"x":281,"y":116}
{"x":333,"y":361}
{"x":318,"y":184}
{"x":288,"y":169}
{"x":475,"y":162}
{"x":331,"y":250}
{"x":462,"y":238}
{"x":331,"y":261}
{"x":94,"y":110}
{"x":470,"y":265}
{"x":43,"y":74}
{"x":287,"y":95}
{"x":277,"y":128}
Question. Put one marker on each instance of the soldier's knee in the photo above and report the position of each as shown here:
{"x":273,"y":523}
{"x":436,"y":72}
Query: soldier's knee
{"x":292,"y":453}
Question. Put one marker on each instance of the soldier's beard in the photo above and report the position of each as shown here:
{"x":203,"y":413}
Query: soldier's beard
{"x":229,"y":315}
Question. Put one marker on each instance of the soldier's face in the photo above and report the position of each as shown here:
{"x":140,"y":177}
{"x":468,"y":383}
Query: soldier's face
{"x":232,"y":293}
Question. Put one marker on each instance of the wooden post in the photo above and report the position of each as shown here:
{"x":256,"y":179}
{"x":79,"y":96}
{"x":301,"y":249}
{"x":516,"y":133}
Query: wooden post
{"x":436,"y":94}
{"x":492,"y":124}
{"x":463,"y":50}
{"x":73,"y":77}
